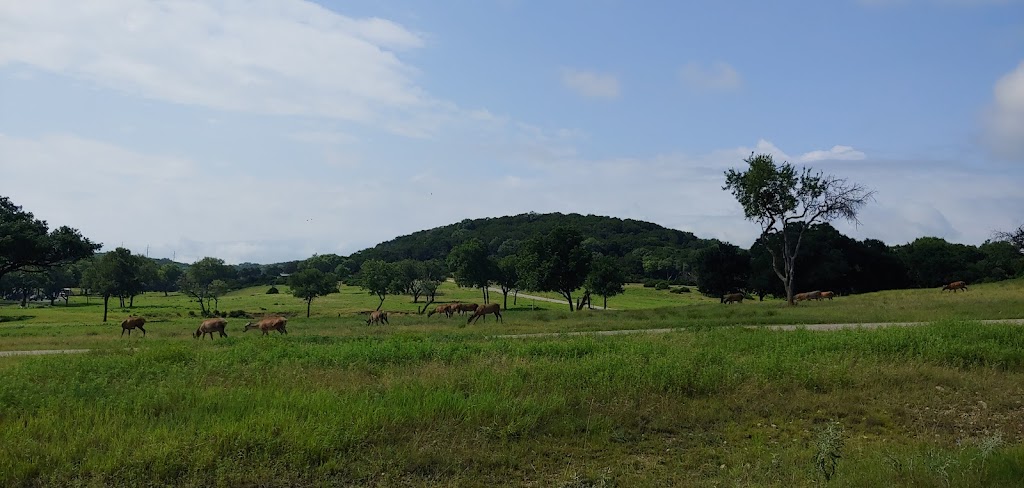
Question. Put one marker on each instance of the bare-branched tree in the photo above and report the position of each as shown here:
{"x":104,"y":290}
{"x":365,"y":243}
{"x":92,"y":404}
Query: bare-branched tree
{"x":786,"y":201}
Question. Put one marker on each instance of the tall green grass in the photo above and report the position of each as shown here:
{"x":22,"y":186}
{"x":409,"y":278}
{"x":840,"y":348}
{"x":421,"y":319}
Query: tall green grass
{"x":726,"y":406}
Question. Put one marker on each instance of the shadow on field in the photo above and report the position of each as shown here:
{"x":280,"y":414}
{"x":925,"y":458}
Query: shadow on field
{"x":15,"y":318}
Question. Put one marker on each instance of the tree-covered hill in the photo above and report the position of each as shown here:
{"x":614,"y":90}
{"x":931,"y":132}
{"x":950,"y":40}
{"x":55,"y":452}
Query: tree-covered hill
{"x":644,"y":249}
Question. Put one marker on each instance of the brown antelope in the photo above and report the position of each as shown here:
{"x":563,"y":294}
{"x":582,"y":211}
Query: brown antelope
{"x":811,"y":295}
{"x":378,"y":317}
{"x":267,"y":324}
{"x":954,"y":286}
{"x":133,"y":323}
{"x":464,"y":307}
{"x":483,"y":310}
{"x":446,"y":309}
{"x":209,"y":326}
{"x":732,"y":297}
{"x":826,"y":294}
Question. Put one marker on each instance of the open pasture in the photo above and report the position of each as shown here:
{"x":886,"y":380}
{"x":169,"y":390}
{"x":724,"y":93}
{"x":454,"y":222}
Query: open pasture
{"x":432,"y":402}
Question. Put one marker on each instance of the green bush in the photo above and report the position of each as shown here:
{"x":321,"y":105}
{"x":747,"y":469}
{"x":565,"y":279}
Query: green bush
{"x":273,"y":290}
{"x":661,"y":285}
{"x":650,"y":283}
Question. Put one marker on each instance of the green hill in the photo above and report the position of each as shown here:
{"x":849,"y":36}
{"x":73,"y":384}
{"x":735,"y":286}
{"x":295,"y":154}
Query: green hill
{"x":646,"y":250}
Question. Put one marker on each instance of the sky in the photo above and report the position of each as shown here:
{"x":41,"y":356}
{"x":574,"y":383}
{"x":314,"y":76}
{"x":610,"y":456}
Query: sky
{"x":271,"y":130}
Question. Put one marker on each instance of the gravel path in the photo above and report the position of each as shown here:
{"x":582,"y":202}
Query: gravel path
{"x":42,"y":352}
{"x":869,"y":325}
{"x":546,"y":299}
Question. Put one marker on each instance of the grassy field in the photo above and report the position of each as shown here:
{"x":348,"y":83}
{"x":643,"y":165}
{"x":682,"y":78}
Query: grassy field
{"x":432,"y":402}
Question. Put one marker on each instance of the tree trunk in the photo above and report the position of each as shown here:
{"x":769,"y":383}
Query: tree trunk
{"x":309,"y":303}
{"x":24,"y":297}
{"x":106,"y":298}
{"x":505,"y":293}
{"x":568,"y":296}
{"x":381,"y":304}
{"x":131,"y":301}
{"x":515,"y":297}
{"x":426,"y":306}
{"x":606,"y":302}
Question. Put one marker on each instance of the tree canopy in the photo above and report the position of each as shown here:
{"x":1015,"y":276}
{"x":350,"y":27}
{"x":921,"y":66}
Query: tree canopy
{"x":309,"y":283}
{"x":556,"y":262}
{"x":27,"y":244}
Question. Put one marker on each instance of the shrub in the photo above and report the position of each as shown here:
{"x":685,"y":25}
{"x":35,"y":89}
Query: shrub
{"x":661,"y":285}
{"x":681,"y":289}
{"x":273,"y":290}
{"x":649,"y":283}
{"x":237,"y":313}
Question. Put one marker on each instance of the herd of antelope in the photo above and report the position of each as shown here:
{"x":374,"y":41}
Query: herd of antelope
{"x":478,"y":311}
{"x":280,"y":324}
{"x":820,"y":295}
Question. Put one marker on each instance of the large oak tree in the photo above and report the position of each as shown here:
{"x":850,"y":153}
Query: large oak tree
{"x":27,"y":244}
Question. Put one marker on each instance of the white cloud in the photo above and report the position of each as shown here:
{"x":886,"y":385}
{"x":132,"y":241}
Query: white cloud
{"x":837,"y":153}
{"x":590,"y":84}
{"x":1005,"y":118}
{"x":283,"y":57}
{"x":182,"y":207}
{"x":325,"y":137}
{"x":718,"y":76}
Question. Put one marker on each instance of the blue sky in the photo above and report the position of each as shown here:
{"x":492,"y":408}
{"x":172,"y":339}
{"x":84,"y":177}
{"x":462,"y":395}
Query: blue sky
{"x":270,"y":130}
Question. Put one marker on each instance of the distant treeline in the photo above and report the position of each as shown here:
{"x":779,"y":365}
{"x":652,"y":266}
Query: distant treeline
{"x":642,"y":251}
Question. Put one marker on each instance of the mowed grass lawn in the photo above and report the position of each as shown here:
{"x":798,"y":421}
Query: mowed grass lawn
{"x":432,"y":402}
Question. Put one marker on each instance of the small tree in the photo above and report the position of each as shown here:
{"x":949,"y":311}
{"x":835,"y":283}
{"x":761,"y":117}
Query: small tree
{"x":471,"y":266}
{"x":434,"y":273}
{"x":722,"y":268}
{"x":556,"y":262}
{"x":55,"y":280}
{"x":116,"y":273}
{"x":786,"y":201}
{"x":310,"y":283}
{"x":167,"y":277}
{"x":217,"y":289}
{"x":195,"y":282}
{"x":606,"y":278}
{"x":507,"y":276}
{"x":375,"y":276}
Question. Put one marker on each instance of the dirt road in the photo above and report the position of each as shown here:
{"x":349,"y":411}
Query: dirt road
{"x":821,"y":327}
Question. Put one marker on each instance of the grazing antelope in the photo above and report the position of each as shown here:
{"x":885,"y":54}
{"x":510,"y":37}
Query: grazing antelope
{"x":826,"y":294}
{"x":483,"y":310}
{"x":811,"y":295}
{"x":954,"y":286}
{"x":446,"y":309}
{"x":464,"y":307}
{"x":209,"y":326}
{"x":267,"y":324}
{"x":133,"y":323}
{"x":732,"y":297}
{"x":378,"y":317}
